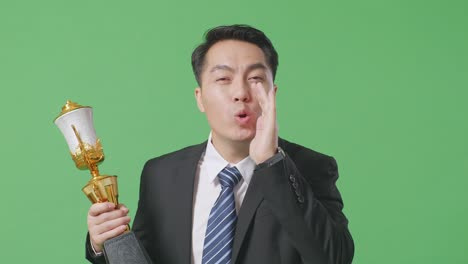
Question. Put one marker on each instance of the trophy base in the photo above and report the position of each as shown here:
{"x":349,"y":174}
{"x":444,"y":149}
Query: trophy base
{"x":125,"y":249}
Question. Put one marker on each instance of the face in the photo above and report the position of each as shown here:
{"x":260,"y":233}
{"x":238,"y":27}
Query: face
{"x":226,"y":96}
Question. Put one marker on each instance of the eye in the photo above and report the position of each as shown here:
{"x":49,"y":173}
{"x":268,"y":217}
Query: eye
{"x":256,"y":78}
{"x":222,"y":79}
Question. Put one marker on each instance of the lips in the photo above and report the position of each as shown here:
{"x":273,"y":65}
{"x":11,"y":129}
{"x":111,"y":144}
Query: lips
{"x":243,"y":116}
{"x":242,"y":113}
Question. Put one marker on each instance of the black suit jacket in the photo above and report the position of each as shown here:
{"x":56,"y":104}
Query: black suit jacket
{"x":291,"y":213}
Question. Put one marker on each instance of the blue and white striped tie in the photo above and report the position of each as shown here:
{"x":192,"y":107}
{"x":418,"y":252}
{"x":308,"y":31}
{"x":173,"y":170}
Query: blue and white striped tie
{"x":221,"y":227}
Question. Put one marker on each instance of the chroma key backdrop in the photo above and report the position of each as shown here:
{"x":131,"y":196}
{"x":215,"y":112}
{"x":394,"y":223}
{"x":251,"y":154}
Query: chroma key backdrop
{"x":379,"y":85}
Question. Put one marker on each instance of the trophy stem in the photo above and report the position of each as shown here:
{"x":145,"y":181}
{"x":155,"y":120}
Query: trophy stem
{"x":93,"y":168}
{"x":101,"y":188}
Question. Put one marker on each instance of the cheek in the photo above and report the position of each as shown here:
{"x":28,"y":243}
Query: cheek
{"x":215,"y":108}
{"x":215,"y":99}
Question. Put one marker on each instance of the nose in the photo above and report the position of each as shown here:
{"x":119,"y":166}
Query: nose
{"x":242,"y":92}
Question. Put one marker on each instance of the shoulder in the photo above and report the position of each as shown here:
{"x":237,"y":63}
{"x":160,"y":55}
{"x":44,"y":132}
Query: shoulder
{"x":309,"y":161}
{"x":193,"y":152}
{"x":298,"y":152}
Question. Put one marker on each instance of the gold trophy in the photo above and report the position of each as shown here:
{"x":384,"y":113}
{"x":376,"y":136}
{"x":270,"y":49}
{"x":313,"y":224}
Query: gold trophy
{"x":76,"y":124}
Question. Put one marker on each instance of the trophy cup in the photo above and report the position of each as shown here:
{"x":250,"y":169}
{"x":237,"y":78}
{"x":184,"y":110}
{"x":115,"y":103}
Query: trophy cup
{"x":76,"y":124}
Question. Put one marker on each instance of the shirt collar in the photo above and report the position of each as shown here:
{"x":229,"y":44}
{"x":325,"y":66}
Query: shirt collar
{"x":218,"y":163}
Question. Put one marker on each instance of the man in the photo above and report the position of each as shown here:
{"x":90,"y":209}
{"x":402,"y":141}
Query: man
{"x":245,"y":195}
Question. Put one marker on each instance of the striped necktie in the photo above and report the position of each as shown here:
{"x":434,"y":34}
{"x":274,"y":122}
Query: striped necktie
{"x":219,"y":236}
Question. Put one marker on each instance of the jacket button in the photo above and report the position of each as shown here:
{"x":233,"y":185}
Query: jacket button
{"x":300,"y":199}
{"x":295,"y":185}
{"x":298,"y":193}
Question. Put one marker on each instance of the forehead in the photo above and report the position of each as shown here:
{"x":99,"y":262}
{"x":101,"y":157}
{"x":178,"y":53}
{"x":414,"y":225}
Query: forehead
{"x":234,"y":53}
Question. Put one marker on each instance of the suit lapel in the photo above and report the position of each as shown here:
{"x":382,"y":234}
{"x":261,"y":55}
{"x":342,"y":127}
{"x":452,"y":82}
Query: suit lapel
{"x":247,"y":211}
{"x":252,"y":200}
{"x":184,"y":177}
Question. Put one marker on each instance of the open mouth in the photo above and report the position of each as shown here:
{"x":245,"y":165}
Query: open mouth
{"x":243,"y":117}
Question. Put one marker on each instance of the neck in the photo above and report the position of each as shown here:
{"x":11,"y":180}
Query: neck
{"x":231,"y":151}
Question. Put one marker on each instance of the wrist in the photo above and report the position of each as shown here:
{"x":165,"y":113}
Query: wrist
{"x":96,"y":249}
{"x":273,"y":159}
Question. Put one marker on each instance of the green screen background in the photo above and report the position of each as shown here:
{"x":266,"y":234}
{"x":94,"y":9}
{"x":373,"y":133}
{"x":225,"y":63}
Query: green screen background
{"x":379,"y":85}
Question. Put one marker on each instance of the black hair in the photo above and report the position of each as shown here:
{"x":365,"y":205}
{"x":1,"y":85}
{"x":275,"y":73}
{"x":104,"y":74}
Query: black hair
{"x":234,"y":32}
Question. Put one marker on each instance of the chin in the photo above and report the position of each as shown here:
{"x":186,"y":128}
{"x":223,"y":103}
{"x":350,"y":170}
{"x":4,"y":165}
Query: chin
{"x":245,"y":135}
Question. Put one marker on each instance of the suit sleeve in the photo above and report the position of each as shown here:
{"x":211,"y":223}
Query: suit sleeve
{"x":91,"y":256}
{"x":139,"y":225}
{"x":304,"y":198}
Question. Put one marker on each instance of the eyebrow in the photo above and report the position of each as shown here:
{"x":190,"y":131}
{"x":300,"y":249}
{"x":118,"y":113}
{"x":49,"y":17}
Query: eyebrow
{"x":251,"y":67}
{"x":256,"y":66}
{"x":222,"y":67}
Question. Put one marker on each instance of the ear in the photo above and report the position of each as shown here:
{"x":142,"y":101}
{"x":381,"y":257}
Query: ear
{"x":198,"y":97}
{"x":275,"y":88}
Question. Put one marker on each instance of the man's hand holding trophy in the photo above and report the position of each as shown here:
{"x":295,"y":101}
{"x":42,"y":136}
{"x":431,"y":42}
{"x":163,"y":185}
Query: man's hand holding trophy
{"x":107,"y":219}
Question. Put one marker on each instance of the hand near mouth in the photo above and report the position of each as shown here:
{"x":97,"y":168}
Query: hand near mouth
{"x":265,"y":143}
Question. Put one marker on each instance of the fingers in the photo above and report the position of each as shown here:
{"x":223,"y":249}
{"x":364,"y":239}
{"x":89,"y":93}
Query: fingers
{"x":99,"y":208}
{"x":261,"y":95}
{"x":272,"y":96}
{"x":110,"y":225}
{"x":99,"y":214}
{"x":266,"y":99}
{"x":106,"y":221}
{"x":101,"y":238}
{"x":122,"y":206}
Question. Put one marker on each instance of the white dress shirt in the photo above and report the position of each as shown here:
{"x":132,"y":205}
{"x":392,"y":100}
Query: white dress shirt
{"x":207,"y":189}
